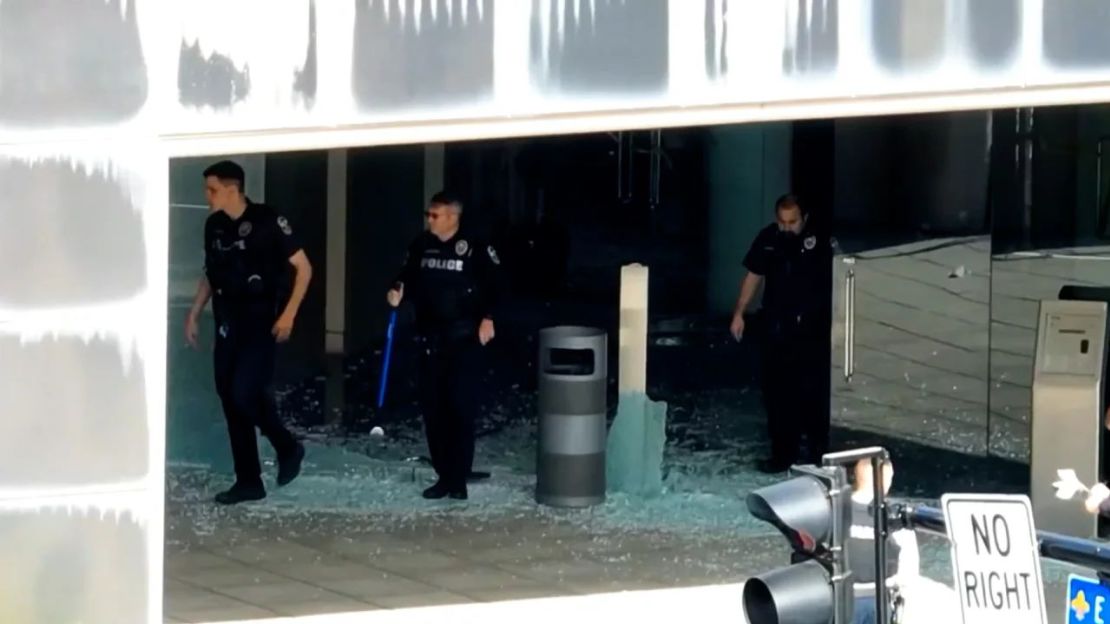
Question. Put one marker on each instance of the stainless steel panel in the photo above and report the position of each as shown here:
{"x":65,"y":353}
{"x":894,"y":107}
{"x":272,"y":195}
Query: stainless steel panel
{"x":1067,"y":410}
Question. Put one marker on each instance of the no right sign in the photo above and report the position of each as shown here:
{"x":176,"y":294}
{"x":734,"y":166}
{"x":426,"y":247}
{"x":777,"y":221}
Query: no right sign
{"x":995,"y":559}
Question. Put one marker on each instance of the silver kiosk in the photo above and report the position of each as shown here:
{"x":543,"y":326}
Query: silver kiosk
{"x":1067,"y":417}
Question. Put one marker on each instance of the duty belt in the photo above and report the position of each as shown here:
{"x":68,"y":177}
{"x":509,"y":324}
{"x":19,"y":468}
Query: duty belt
{"x":432,"y":337}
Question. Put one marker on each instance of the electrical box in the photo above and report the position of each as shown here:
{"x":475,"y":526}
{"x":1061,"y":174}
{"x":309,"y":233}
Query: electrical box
{"x":1067,"y":418}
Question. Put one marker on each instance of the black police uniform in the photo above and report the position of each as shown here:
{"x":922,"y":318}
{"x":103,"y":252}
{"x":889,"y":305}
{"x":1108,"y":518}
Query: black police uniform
{"x":795,"y":323}
{"x":454,"y":285}
{"x":247,"y":266}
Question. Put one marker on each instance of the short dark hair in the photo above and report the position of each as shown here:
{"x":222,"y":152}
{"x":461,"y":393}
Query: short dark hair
{"x":787,"y":201}
{"x":445,"y":198}
{"x":227,"y":172}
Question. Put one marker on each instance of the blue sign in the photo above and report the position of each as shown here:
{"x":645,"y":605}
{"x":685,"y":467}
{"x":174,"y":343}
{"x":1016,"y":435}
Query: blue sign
{"x":1088,"y":601}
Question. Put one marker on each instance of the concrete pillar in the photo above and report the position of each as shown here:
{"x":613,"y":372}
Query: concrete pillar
{"x":749,"y":167}
{"x":335,"y":306}
{"x":632,"y":377}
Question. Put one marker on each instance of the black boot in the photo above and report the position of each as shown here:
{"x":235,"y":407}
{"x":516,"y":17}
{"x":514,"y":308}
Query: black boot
{"x":239,"y":493}
{"x":443,"y":489}
{"x":290,"y":465}
{"x":437,"y":491}
{"x":458,"y":492}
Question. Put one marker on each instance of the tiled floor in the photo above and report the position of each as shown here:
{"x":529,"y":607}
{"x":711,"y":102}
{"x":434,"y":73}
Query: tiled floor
{"x":337,"y":563}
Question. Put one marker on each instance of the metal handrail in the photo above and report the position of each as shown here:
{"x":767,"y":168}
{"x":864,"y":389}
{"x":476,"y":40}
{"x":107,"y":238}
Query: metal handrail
{"x":849,"y":325}
{"x":1087,"y":553}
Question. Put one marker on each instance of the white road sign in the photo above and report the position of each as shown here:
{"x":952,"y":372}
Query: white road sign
{"x":995,"y":561}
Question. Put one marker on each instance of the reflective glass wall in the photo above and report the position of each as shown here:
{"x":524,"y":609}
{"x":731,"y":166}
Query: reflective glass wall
{"x":911,"y":277}
{"x":1050,"y":230}
{"x":951,"y":229}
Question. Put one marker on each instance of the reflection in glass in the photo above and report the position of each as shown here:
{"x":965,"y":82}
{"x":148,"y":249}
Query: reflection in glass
{"x":909,"y":35}
{"x":716,"y":38}
{"x":84,"y":401}
{"x":79,"y":222}
{"x":912,"y":278}
{"x":1045,"y":211}
{"x":603,"y":46}
{"x":411,"y":54}
{"x":811,"y":36}
{"x":72,"y":565}
{"x":915,"y":35}
{"x":81,"y":83}
{"x":993,"y":31}
{"x":1075,"y":33}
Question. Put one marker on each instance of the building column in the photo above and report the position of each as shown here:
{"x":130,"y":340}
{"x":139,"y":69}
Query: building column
{"x":335,"y":306}
{"x":749,"y":167}
{"x":335,"y":284}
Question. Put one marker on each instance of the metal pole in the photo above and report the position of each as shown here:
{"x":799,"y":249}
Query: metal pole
{"x":1086,"y":553}
{"x":878,"y":457}
{"x":839,"y":497}
{"x":849,"y":325}
{"x":879,"y":501}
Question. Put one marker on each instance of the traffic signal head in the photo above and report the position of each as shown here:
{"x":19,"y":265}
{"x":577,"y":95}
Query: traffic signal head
{"x":812,"y":510}
{"x":800,"y":508}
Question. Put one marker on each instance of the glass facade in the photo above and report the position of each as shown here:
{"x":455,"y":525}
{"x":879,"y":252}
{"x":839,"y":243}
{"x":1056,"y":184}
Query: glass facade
{"x":87,"y":129}
{"x":940,"y":272}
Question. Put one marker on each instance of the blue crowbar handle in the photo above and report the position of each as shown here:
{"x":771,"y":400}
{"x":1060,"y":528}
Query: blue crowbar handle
{"x":386,"y":357}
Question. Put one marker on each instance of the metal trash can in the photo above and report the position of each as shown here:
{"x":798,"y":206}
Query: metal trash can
{"x":570,"y":461}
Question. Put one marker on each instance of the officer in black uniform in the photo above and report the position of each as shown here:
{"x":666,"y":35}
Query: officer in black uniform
{"x":248,"y":249}
{"x":790,"y":259}
{"x":454,"y":282}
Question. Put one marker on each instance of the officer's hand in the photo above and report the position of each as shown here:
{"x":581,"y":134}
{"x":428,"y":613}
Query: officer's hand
{"x":1107,"y":421}
{"x":191,"y":331}
{"x":485,"y":332}
{"x":283,"y":328}
{"x":737,"y":327}
{"x":395,"y":295}
{"x":1098,"y":494}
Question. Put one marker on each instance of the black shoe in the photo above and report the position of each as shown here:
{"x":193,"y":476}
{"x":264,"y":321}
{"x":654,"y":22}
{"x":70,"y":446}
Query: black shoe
{"x":290,"y":466}
{"x":772,"y":466}
{"x":241,"y":493}
{"x":442,"y":490}
{"x":437,"y":491}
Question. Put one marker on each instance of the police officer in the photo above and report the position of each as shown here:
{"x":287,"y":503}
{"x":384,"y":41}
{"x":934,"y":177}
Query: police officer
{"x":248,"y":249}
{"x":454,"y":282}
{"x":789,"y":258}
